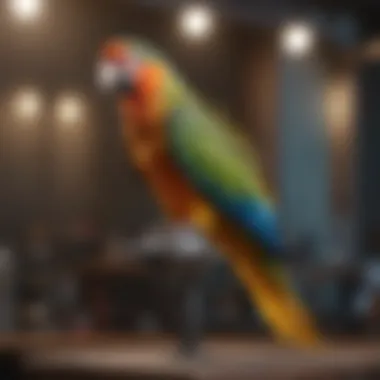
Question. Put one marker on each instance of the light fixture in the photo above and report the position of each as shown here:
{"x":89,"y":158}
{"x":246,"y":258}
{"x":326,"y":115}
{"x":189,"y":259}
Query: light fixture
{"x":70,"y":109}
{"x":27,"y":104}
{"x":297,"y":40}
{"x":196,"y":22}
{"x":25,"y":9}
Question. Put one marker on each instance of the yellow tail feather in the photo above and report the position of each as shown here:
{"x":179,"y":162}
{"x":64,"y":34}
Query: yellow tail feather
{"x":268,"y":287}
{"x":270,"y":292}
{"x":278,"y":304}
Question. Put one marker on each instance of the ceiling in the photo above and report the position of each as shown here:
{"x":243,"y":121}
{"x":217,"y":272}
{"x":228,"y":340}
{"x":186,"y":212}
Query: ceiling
{"x":367,"y":12}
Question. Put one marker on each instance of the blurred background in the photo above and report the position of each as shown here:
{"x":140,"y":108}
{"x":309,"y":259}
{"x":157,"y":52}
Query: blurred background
{"x":84,"y":247}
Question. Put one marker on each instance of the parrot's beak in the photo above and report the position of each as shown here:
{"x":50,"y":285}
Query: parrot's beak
{"x":110,"y":77}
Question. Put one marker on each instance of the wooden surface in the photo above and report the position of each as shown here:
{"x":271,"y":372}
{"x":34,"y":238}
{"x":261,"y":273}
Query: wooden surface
{"x":219,"y":359}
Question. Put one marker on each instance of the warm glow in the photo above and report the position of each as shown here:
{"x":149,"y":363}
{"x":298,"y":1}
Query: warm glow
{"x":70,"y":109}
{"x":340,"y":106}
{"x":26,"y":9}
{"x":297,"y":40}
{"x":197,"y":22}
{"x":28,"y":104}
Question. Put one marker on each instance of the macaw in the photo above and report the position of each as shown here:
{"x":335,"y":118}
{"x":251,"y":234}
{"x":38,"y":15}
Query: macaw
{"x":201,"y":171}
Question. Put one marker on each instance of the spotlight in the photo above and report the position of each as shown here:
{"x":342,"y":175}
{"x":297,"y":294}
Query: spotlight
{"x":297,"y":40}
{"x":196,"y":22}
{"x":70,"y":109}
{"x":25,"y":9}
{"x":28,"y":104}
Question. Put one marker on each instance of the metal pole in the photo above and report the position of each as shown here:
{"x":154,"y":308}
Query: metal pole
{"x":192,"y":327}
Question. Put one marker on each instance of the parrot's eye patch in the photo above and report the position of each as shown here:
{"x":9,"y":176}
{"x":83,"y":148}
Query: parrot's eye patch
{"x":118,"y":75}
{"x":107,"y":75}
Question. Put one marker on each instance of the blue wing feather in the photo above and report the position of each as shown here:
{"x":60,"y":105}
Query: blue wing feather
{"x":254,"y":216}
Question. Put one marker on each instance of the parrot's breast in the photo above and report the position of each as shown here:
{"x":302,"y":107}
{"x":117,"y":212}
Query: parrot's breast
{"x":173,"y":191}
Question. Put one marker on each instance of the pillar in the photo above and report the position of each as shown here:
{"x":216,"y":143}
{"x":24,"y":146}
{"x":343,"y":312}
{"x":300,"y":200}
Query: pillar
{"x":313,"y":101}
{"x":304,"y":153}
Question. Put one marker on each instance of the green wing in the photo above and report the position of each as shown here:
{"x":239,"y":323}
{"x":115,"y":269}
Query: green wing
{"x":223,"y":167}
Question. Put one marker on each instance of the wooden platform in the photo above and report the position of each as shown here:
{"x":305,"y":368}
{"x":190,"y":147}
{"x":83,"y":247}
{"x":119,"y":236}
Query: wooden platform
{"x":219,"y":359}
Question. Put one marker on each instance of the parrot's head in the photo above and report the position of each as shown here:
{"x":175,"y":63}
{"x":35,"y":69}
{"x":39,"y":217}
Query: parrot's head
{"x":128,"y":67}
{"x":139,"y":75}
{"x":117,"y":67}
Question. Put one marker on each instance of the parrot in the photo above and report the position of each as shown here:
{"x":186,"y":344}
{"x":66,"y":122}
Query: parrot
{"x":203,"y":171}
